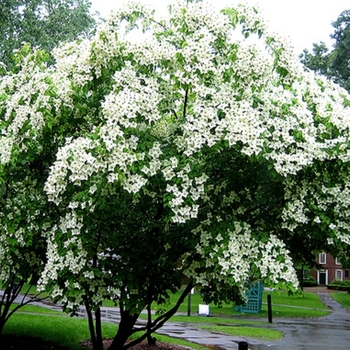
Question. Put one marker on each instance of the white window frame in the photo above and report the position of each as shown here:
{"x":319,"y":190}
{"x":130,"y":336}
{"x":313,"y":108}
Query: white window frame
{"x":337,"y":262}
{"x":340,"y":272}
{"x":321,"y":260}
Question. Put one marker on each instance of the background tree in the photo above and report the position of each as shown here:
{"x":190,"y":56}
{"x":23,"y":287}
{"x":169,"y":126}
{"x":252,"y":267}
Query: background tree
{"x":333,"y":63}
{"x":42,"y":23}
{"x":189,"y":153}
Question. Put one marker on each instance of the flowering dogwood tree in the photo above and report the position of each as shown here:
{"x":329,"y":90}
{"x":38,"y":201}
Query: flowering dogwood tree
{"x":24,"y":208}
{"x":30,"y":137}
{"x":194,"y":152}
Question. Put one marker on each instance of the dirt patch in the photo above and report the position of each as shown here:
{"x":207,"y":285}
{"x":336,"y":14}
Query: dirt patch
{"x":140,"y":346}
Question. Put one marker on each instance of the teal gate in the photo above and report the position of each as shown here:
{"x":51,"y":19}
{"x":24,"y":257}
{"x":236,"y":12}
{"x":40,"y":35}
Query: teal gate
{"x":254,"y":299}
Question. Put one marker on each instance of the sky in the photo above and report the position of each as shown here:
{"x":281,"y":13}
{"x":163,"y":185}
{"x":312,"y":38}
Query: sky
{"x":304,"y":21}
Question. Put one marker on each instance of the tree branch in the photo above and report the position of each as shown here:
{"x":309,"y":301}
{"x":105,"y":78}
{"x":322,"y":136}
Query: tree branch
{"x":159,"y":322}
{"x":185,"y":103}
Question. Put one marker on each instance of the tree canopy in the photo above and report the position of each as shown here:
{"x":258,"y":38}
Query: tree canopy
{"x":42,"y":23}
{"x":333,"y":63}
{"x":193,"y":155}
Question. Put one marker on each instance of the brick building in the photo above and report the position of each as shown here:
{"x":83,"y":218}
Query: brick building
{"x":331,"y":269}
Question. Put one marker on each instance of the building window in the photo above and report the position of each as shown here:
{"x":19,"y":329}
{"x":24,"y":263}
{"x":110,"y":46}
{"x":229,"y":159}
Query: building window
{"x":346,"y":273}
{"x":337,"y":261}
{"x":339,"y":275}
{"x":322,"y":258}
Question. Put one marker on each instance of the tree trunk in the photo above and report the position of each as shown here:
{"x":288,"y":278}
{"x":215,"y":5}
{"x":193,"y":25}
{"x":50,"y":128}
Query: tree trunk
{"x":6,"y":302}
{"x":126,"y":325}
{"x":2,"y":325}
{"x":95,"y":328}
{"x":302,"y":277}
{"x":151,"y":340}
{"x":98,"y":324}
{"x":9,"y":296}
{"x":95,"y":334}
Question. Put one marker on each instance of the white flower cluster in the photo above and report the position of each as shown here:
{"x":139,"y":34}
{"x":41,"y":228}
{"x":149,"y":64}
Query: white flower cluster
{"x":135,"y":95}
{"x":73,"y":164}
{"x":328,"y":207}
{"x":74,"y":260}
{"x":73,"y":62}
{"x":22,"y":230}
{"x":235,"y":255}
{"x":109,"y":39}
{"x":251,"y":18}
{"x":24,"y":97}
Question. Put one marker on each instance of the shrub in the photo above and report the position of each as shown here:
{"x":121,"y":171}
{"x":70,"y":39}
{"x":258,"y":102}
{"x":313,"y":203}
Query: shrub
{"x":339,"y":285}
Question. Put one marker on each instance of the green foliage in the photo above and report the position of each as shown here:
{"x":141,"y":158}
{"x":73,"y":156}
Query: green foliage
{"x":318,"y":60}
{"x":309,"y":281}
{"x":41,"y":23}
{"x":333,"y":63}
{"x":340,"y":285}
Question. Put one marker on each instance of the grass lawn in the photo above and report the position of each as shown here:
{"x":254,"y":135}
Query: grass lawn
{"x":213,"y":320}
{"x":307,"y":299}
{"x":342,"y":298}
{"x":69,"y":331}
{"x":38,"y":309}
{"x":307,"y":304}
{"x":251,"y":332}
{"x":63,"y":330}
{"x":283,"y":305}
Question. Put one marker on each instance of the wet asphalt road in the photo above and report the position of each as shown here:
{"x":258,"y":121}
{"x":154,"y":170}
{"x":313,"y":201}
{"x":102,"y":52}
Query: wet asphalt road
{"x":331,"y":332}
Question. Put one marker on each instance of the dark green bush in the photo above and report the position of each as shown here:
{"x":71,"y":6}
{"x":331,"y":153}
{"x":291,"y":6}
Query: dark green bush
{"x":339,"y":285}
{"x":307,"y":279}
